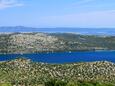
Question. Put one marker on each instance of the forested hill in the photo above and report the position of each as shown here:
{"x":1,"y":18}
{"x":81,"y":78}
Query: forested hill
{"x":53,"y":42}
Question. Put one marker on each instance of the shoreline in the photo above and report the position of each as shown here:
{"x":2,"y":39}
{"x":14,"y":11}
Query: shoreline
{"x":47,"y":52}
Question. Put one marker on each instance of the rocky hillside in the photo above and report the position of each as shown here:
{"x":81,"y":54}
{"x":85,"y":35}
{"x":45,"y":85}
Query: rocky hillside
{"x":28,"y":43}
{"x":53,"y":42}
{"x":24,"y":70}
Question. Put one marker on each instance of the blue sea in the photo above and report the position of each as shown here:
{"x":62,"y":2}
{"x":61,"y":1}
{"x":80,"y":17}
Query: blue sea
{"x":64,"y":57}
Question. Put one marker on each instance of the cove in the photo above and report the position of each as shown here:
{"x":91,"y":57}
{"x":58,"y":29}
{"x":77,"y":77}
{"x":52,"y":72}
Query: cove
{"x":64,"y":57}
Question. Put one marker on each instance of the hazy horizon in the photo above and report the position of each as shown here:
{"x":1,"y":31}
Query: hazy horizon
{"x":85,"y":31}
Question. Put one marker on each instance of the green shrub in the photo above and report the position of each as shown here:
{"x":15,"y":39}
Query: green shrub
{"x":5,"y":84}
{"x":50,"y":83}
{"x":60,"y":83}
{"x":71,"y":84}
{"x":79,"y":83}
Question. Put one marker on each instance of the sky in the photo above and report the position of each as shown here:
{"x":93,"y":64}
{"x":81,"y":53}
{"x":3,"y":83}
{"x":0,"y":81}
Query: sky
{"x":58,"y":13}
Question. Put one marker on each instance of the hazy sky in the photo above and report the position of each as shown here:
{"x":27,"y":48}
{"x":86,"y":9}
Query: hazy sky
{"x":57,"y":13}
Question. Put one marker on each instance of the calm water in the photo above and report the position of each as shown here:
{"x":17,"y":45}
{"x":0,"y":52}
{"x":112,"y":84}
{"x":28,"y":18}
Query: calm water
{"x":65,"y":57}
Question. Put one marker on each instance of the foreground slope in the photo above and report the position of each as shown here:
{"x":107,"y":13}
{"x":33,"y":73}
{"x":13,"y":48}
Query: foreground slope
{"x":24,"y":70}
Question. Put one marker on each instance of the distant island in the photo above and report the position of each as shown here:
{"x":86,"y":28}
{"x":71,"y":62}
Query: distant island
{"x":36,"y":42}
{"x":83,"y":31}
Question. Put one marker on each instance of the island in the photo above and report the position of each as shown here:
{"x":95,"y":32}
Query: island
{"x":15,"y":43}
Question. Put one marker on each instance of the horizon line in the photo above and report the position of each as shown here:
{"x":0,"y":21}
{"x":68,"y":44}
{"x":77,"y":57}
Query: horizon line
{"x":58,"y":27}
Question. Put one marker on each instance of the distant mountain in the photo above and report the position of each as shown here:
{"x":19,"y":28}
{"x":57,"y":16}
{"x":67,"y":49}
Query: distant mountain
{"x":88,"y":31}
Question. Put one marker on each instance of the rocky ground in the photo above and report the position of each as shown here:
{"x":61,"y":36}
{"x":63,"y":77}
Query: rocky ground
{"x":24,"y":70}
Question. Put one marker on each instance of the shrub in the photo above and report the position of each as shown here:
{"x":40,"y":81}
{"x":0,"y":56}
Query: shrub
{"x":5,"y":84}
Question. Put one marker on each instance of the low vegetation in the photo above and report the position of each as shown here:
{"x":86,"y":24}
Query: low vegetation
{"x":6,"y":84}
{"x":78,"y":83}
{"x":24,"y":72}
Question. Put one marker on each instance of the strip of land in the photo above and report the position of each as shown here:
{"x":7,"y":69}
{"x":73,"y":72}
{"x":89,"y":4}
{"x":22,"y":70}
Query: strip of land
{"x":16,"y":43}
